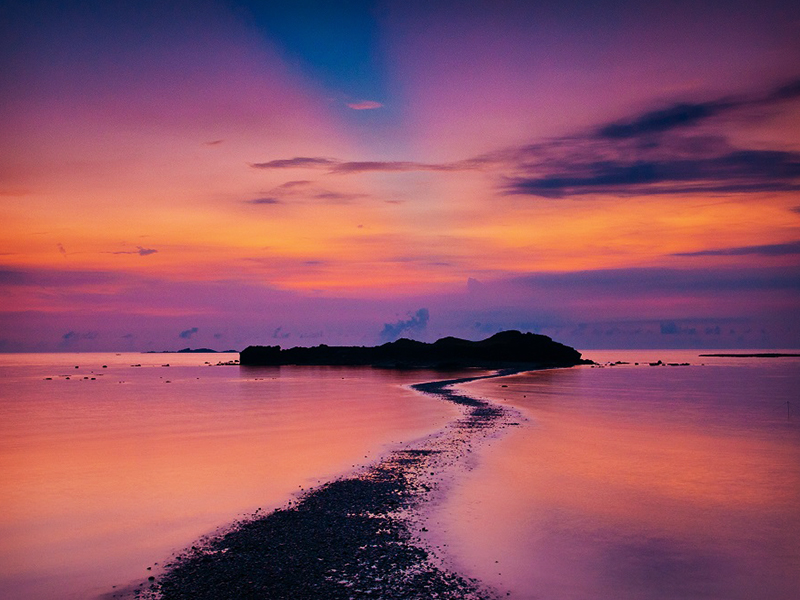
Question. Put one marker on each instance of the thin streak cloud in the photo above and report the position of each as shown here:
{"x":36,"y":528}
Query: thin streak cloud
{"x":343,"y":167}
{"x":788,"y":249}
{"x":139,"y":250}
{"x":673,"y":117}
{"x":365,"y":105}
{"x":692,"y":113}
{"x":263,"y":201}
{"x":740,"y":171}
{"x":302,"y":162}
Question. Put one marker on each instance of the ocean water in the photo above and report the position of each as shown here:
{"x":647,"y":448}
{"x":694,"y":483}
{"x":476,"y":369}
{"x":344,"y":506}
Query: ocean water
{"x":623,"y":482}
{"x":111,"y":462}
{"x":637,"y":482}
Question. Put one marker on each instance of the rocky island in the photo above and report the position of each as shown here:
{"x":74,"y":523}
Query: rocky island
{"x":507,"y":349}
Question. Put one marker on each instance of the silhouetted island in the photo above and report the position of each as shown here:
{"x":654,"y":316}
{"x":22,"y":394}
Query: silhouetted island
{"x":507,"y":349}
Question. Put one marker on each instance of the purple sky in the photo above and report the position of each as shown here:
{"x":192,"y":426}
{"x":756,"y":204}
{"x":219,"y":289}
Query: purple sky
{"x":224,"y":173}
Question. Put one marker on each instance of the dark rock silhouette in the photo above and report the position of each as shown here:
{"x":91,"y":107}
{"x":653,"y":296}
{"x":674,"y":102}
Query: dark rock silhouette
{"x":502,"y":350}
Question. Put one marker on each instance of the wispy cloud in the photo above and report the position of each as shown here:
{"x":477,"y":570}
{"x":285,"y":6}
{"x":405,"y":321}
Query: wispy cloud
{"x":673,"y":117}
{"x":188,"y":333}
{"x":416,"y":323}
{"x":263,"y":201}
{"x":278,"y":194}
{"x":677,"y":149}
{"x":686,"y":114}
{"x":280,"y":334}
{"x":788,"y":91}
{"x":304,"y":162}
{"x":139,"y":250}
{"x":365,"y":105}
{"x":340,"y":166}
{"x":787,"y":249}
{"x":73,"y":336}
{"x":681,"y":148}
{"x":672,"y":328}
{"x":293,"y":184}
{"x":735,"y":171}
{"x":338,"y":196}
{"x":665,"y":151}
{"x":365,"y":166}
{"x":304,"y":191}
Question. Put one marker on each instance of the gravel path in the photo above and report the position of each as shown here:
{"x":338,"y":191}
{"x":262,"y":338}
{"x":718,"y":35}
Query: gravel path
{"x":356,"y":537}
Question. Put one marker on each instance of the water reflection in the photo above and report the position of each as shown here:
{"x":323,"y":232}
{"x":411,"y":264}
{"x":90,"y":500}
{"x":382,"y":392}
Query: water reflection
{"x":637,"y":483}
{"x":103,"y":476}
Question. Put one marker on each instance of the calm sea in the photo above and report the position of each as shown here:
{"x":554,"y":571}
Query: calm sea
{"x":111,"y":462}
{"x":637,"y":482}
{"x":623,"y":482}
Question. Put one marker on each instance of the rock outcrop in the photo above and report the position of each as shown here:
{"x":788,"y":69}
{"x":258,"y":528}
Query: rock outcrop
{"x":507,"y":349}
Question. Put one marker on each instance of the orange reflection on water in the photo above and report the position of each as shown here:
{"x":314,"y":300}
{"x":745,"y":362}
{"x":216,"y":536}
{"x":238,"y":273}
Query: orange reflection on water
{"x":103,"y":477}
{"x":601,"y":495}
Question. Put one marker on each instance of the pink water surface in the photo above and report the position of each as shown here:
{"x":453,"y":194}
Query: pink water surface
{"x":106,"y":471}
{"x":636,"y":482}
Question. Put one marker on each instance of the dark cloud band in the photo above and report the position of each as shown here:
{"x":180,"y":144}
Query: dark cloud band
{"x":788,"y":249}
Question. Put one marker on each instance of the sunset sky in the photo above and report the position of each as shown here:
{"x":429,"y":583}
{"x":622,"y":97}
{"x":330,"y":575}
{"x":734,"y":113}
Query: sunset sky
{"x":224,"y":173}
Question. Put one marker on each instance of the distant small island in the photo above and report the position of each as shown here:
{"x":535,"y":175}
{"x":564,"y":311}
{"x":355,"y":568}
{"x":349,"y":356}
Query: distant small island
{"x":191,"y":351}
{"x":507,"y":349}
